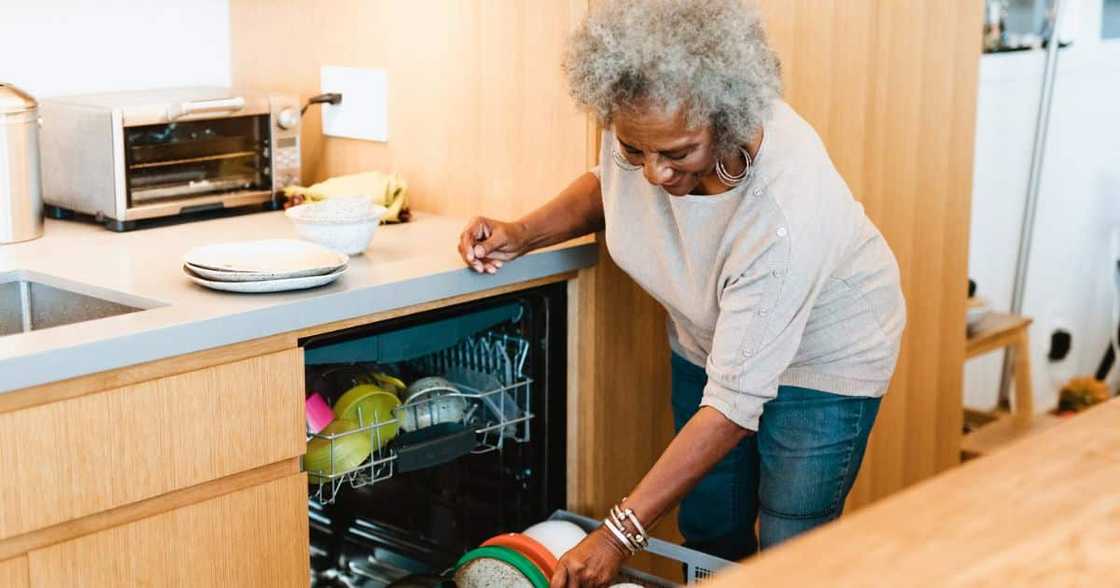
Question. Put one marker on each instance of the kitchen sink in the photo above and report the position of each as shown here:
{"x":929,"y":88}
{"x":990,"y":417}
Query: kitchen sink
{"x":30,"y":301}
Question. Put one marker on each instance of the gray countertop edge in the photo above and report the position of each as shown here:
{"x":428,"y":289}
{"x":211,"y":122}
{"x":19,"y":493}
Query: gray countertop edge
{"x":179,"y":339}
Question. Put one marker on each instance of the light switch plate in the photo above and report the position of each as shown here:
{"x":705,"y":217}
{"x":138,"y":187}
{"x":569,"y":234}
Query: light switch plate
{"x":364,"y":111}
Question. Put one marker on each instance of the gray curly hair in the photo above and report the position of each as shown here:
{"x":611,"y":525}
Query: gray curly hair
{"x":709,"y":57}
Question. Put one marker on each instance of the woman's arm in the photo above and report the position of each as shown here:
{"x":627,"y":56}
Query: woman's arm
{"x":576,"y":211}
{"x":705,"y":439}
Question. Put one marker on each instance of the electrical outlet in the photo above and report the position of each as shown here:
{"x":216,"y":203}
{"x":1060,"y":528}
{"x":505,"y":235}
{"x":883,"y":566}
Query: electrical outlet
{"x":1061,"y":325}
{"x":364,"y":110}
{"x":1061,"y":342}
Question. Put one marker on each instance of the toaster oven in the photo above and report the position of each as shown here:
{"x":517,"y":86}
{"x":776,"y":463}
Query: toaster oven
{"x":127,"y":157}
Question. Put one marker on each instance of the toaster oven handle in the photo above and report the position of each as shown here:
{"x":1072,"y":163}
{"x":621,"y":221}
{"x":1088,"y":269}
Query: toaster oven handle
{"x":182,"y":109}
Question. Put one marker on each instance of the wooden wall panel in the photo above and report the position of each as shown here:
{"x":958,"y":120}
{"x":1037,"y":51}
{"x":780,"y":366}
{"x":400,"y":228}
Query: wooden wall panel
{"x":479,"y":118}
{"x":73,"y":458}
{"x":251,"y":537}
{"x":891,"y":87}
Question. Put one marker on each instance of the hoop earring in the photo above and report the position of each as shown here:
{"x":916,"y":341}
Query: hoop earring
{"x":730,"y":180}
{"x":621,"y":161}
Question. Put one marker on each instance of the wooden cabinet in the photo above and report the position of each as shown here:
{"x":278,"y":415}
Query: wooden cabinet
{"x":182,"y":472}
{"x":76,"y":457}
{"x":13,"y":573}
{"x":256,"y":536}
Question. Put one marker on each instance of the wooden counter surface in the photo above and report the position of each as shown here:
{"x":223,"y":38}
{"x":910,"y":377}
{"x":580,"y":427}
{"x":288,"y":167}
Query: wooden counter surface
{"x":1042,"y":512}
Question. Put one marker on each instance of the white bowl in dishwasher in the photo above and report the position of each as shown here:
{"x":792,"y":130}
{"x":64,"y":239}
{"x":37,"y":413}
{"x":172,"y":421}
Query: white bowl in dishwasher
{"x":432,"y":407}
{"x":557,"y":536}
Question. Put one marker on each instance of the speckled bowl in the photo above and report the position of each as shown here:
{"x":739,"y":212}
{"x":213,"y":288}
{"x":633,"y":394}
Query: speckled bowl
{"x":346,"y":233}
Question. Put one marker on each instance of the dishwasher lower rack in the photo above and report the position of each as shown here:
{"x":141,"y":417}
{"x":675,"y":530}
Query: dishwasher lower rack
{"x":490,"y":400}
{"x":695,"y":566}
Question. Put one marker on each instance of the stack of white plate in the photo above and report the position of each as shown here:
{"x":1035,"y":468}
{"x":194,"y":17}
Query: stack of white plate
{"x":273,"y":265}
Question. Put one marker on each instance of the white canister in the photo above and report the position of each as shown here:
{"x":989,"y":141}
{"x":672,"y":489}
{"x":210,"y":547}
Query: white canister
{"x":21,"y":186}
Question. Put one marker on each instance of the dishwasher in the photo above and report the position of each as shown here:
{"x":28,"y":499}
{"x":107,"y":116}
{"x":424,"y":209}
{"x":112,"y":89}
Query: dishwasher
{"x":472,"y":445}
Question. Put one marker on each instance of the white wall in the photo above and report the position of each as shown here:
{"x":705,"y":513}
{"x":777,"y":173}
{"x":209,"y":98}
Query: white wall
{"x":1070,"y":279}
{"x":56,"y":47}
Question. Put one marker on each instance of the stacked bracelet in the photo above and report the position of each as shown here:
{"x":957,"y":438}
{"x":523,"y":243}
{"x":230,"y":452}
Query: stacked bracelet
{"x":616,"y":523}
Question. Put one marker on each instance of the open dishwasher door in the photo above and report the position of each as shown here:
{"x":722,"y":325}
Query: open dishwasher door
{"x":476,"y":446}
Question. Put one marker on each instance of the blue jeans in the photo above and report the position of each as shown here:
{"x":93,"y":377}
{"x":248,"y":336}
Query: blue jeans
{"x":792,"y":476}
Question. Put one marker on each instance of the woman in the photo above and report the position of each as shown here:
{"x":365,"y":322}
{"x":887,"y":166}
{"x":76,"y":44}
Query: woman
{"x":784,"y":301}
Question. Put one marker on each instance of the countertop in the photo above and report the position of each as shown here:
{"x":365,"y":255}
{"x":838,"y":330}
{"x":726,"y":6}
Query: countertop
{"x":406,"y":264}
{"x":1044,"y":511}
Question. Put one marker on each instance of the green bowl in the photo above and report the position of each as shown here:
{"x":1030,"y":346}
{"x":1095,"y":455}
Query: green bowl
{"x":527,"y":568}
{"x":349,"y":451}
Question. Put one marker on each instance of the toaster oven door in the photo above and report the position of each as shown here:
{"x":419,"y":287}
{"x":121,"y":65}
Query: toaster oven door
{"x":198,"y":158}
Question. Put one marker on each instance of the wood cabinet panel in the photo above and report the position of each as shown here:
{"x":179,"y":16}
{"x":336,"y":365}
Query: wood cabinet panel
{"x":68,"y":459}
{"x":252,"y":537}
{"x":13,"y":573}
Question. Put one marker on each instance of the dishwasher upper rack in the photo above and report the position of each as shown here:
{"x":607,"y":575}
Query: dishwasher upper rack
{"x":491,"y":368}
{"x":487,"y":370}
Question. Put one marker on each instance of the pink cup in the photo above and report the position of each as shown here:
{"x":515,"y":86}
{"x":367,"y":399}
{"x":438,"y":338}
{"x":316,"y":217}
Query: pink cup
{"x":319,"y":413}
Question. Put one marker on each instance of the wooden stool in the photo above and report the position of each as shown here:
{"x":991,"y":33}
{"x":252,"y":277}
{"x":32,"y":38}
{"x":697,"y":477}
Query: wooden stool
{"x":998,"y":331}
{"x":1005,"y":331}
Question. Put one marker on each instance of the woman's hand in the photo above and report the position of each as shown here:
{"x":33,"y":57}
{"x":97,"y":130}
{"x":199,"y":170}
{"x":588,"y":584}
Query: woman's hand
{"x":594,"y":562}
{"x":487,"y":243}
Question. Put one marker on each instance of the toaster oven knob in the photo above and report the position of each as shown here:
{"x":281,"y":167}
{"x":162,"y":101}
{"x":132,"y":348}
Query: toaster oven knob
{"x":287,"y":118}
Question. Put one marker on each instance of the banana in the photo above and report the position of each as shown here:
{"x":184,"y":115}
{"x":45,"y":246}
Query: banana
{"x":395,"y":384}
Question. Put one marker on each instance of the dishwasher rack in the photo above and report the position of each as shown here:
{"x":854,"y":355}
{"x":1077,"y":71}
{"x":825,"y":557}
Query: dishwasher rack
{"x":486,"y":371}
